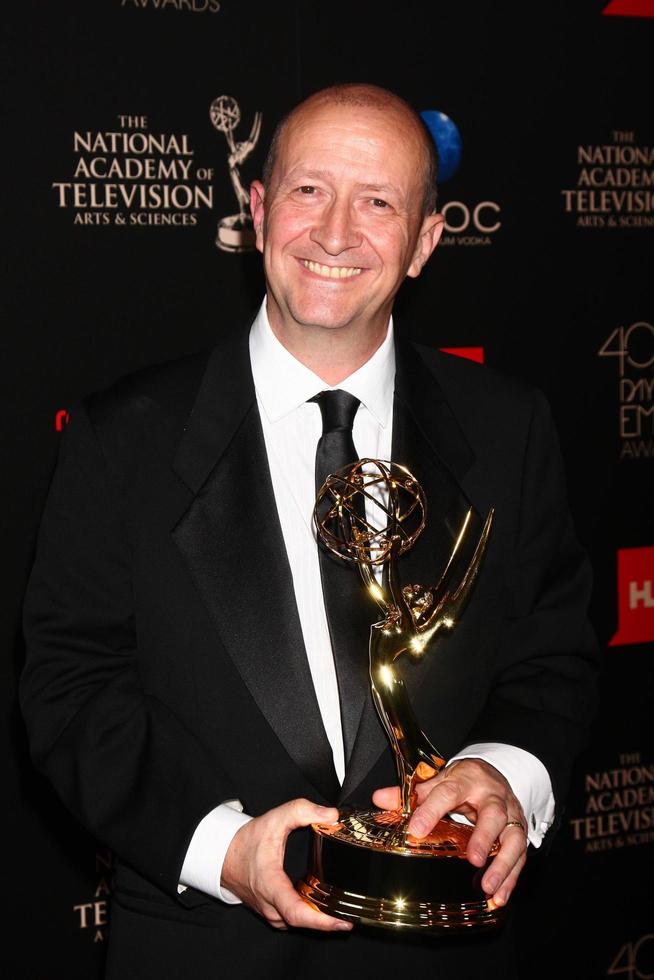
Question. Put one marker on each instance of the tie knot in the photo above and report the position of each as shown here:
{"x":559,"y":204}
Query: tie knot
{"x":337,"y":408}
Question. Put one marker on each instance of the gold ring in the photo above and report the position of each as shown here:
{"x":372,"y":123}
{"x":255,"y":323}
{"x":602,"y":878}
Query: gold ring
{"x":517,"y":823}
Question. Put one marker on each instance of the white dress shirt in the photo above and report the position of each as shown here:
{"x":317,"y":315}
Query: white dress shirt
{"x":292,"y":427}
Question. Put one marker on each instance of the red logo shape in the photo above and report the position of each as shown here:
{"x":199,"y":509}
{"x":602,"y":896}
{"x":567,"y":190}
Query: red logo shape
{"x":635,"y":596}
{"x":629,"y":8}
{"x":471,"y":353}
{"x":61,"y":419}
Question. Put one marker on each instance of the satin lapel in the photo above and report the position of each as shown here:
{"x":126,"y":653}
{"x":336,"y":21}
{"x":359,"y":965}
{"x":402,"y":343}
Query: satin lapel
{"x":232,"y":543}
{"x":428,"y":440}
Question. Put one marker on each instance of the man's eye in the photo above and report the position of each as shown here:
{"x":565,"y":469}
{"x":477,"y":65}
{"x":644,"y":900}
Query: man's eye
{"x":307,"y":189}
{"x":379,"y":203}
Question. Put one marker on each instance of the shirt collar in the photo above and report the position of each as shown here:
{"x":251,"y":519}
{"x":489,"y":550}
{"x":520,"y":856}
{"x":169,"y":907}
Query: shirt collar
{"x":283,"y":383}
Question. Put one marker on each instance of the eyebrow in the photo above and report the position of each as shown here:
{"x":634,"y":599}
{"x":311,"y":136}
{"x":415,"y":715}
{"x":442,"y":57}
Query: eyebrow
{"x":328,"y":175}
{"x":382,"y":188}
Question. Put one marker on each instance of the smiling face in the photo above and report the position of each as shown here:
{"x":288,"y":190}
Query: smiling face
{"x":340,"y":225}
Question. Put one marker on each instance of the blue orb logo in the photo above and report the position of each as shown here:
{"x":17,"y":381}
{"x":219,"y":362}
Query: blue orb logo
{"x":447,"y":139}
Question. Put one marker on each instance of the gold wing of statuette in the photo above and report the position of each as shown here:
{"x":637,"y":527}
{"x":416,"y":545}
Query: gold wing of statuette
{"x":415,"y":613}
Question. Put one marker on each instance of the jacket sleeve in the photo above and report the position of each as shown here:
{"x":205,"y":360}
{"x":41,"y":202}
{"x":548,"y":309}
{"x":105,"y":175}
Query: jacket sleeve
{"x":544,"y":686}
{"x":120,"y":760}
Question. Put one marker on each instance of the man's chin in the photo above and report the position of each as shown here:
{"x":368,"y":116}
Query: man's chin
{"x":306,"y":313}
{"x":328,"y":319}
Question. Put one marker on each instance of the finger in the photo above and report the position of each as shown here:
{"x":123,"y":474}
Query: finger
{"x":271,"y":915}
{"x":387,"y":798}
{"x":301,"y":813}
{"x":510,"y":856}
{"x":441,"y":799}
{"x":503,"y":893}
{"x":491,"y":820}
{"x":296,"y":912}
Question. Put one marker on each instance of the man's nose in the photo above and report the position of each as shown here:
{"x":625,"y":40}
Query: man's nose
{"x":336,"y":228}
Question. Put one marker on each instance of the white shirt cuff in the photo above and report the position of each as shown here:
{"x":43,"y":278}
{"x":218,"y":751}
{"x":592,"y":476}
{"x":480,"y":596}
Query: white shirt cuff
{"x":528,"y":779}
{"x":203,"y":863}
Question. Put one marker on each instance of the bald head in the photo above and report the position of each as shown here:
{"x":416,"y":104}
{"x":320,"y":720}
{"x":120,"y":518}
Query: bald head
{"x":374,"y":99}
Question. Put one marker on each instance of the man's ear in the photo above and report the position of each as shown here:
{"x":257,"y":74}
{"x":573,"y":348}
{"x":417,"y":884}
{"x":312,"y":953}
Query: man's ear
{"x":257,"y":194}
{"x":428,"y":236}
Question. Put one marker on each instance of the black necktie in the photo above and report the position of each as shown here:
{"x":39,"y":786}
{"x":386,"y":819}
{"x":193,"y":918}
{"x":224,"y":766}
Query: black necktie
{"x":348,"y":612}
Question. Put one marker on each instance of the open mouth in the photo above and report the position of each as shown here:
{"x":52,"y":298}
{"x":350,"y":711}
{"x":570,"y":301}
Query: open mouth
{"x":332,"y":271}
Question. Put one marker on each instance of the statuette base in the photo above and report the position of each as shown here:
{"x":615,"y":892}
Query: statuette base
{"x":235,"y":235}
{"x":367,"y":869}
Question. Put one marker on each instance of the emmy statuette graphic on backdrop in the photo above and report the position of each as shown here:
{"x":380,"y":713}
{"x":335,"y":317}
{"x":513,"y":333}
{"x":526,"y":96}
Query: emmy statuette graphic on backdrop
{"x":367,"y":867}
{"x":235,"y":232}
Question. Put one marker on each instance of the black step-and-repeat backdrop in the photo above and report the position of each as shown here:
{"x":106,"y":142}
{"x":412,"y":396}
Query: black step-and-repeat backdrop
{"x":133,"y":130}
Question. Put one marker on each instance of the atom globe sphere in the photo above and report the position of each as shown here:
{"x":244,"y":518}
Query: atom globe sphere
{"x":362,"y":508}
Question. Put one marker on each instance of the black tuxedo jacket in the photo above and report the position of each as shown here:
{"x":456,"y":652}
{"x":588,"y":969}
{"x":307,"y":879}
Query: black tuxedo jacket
{"x":166,"y":670}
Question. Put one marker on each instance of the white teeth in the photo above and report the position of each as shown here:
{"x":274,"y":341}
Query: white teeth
{"x":331,"y":271}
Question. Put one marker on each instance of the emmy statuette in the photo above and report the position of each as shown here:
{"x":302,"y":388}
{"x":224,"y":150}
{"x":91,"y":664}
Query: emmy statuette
{"x":367,"y":867}
{"x":235,"y":232}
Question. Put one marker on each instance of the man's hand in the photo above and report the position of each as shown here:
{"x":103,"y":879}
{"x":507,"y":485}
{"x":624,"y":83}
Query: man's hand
{"x":253,"y":868}
{"x":478,"y":791}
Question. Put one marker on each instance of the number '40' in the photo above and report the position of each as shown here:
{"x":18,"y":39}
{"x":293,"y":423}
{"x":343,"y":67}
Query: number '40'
{"x":632,"y":960}
{"x":631,"y":345}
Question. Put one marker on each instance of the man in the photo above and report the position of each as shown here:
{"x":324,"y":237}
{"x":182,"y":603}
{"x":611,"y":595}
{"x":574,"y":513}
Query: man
{"x":180,"y":660}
